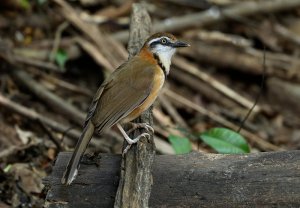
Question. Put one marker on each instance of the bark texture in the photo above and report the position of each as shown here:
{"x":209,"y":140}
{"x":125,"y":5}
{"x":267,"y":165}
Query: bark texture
{"x":192,"y":180}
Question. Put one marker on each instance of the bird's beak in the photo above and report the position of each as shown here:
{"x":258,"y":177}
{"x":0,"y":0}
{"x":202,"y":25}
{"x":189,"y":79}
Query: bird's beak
{"x":179,"y":44}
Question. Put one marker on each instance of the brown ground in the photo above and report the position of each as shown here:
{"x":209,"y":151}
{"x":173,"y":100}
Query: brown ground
{"x":212,"y":83}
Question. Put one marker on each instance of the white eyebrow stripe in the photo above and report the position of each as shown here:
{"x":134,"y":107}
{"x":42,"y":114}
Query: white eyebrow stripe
{"x":156,"y":39}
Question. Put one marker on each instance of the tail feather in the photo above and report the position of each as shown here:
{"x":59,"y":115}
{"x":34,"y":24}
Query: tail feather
{"x":73,"y":165}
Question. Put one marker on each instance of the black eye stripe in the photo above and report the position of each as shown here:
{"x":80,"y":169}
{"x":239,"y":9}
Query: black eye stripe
{"x":160,"y":41}
{"x":153,"y":44}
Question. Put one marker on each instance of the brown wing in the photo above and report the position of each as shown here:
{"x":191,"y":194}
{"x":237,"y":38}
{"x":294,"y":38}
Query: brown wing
{"x":122,"y":93}
{"x":93,"y":105}
{"x":97,"y":96}
{"x":125,"y":90}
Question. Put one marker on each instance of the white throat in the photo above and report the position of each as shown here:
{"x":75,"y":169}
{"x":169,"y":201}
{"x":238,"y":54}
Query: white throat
{"x":165,"y":59}
{"x":164,"y":54}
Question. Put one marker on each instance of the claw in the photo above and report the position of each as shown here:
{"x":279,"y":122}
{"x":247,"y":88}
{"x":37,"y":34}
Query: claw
{"x":131,"y":141}
{"x":147,"y":136}
{"x":140,"y":125}
{"x":135,"y":140}
{"x":126,"y":150}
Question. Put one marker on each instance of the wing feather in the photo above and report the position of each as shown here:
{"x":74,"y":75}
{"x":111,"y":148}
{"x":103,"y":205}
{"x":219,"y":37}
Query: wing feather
{"x":126,"y":89}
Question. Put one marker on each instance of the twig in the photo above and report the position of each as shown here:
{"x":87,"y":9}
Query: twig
{"x":284,"y":96}
{"x":58,"y":104}
{"x":264,"y":145}
{"x":104,"y":43}
{"x":66,"y":85}
{"x":287,"y":34}
{"x":11,"y":150}
{"x":258,"y":95}
{"x":40,"y":50}
{"x":246,"y":60}
{"x":48,"y":43}
{"x":108,"y":13}
{"x":93,"y":51}
{"x":219,"y":38}
{"x":214,"y":15}
{"x":52,"y":137}
{"x":163,"y":147}
{"x":185,"y":66}
{"x":36,"y":63}
{"x":57,"y":39}
{"x":202,"y":88}
{"x":170,"y":128}
{"x":167,"y":105}
{"x":122,"y":10}
{"x":33,"y":115}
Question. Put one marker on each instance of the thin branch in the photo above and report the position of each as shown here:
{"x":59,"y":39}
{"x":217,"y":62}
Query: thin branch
{"x":215,"y":15}
{"x":57,"y":40}
{"x":185,"y":66}
{"x":33,"y":115}
{"x":264,"y":145}
{"x":57,"y":103}
{"x":105,"y":44}
{"x":167,"y":105}
{"x":259,"y":93}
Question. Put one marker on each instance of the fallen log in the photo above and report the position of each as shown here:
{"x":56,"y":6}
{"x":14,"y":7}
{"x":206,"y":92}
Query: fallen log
{"x":270,"y":179}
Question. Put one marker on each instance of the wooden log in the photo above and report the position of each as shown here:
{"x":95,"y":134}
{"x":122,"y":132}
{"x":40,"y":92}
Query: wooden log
{"x":270,"y":179}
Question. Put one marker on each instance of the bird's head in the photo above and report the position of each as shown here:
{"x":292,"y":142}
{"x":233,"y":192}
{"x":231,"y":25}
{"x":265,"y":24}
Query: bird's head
{"x":163,"y":46}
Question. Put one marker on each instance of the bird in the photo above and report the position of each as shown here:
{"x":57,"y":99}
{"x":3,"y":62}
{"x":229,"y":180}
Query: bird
{"x":125,"y":94}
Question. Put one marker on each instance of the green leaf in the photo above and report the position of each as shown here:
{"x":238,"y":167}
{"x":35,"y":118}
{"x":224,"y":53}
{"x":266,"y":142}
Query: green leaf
{"x":61,"y":58}
{"x":181,"y":145}
{"x":225,"y":141}
{"x":24,"y":4}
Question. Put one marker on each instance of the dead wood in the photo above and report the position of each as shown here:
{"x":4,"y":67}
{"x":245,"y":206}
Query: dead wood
{"x":284,"y":96}
{"x":262,"y":143}
{"x":31,"y":114}
{"x":55,"y":102}
{"x":204,"y":89}
{"x":215,"y":14}
{"x":219,"y":86}
{"x":108,"y":48}
{"x":168,"y":106}
{"x":191,"y":180}
{"x":66,"y":48}
{"x":248,"y":60}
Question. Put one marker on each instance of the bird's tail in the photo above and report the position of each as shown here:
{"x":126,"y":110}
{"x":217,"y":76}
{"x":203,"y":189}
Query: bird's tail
{"x":73,"y":165}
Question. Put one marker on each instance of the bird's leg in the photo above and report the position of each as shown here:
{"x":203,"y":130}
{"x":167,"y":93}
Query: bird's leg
{"x":130,"y":141}
{"x":140,"y":125}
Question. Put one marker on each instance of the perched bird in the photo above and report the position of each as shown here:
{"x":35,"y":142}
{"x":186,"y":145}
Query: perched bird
{"x":126,"y":93}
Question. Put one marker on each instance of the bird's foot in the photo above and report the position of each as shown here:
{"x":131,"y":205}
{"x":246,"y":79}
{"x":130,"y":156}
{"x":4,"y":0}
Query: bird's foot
{"x":145,"y":126}
{"x":133,"y":141}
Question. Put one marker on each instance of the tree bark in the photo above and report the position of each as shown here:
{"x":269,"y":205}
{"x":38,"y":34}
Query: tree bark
{"x":136,"y":178}
{"x":269,"y":179}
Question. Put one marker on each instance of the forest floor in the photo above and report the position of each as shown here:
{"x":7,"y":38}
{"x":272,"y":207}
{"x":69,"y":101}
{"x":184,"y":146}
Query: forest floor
{"x":55,"y":54}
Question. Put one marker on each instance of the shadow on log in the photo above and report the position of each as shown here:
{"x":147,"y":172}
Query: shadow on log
{"x":192,"y":180}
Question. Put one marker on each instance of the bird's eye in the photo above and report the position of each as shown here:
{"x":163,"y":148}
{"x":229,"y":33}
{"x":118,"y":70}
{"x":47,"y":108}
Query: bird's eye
{"x":163,"y":40}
